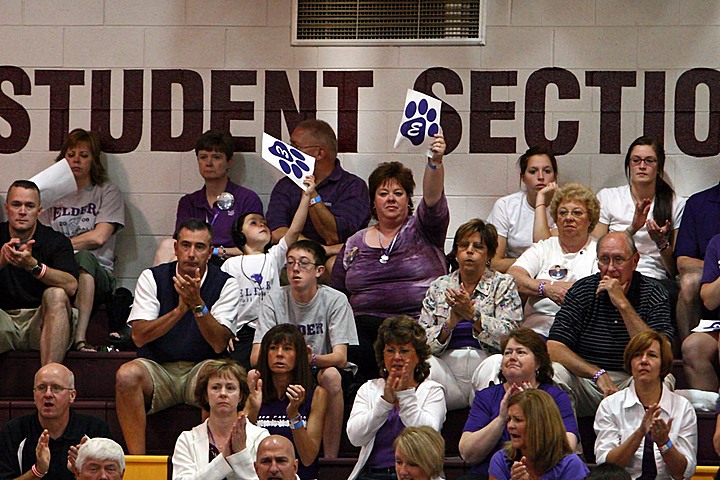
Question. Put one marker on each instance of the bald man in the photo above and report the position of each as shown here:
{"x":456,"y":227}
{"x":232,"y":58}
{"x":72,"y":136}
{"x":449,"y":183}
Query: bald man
{"x":597,"y":319}
{"x":42,"y":440}
{"x":276,"y":459}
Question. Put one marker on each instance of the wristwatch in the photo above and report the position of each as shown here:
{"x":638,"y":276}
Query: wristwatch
{"x":200,"y":310}
{"x":36,"y":270}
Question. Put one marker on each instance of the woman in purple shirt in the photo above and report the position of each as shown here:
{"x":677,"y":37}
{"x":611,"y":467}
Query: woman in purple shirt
{"x":387,"y":268}
{"x":525,"y":365}
{"x":538,"y":447}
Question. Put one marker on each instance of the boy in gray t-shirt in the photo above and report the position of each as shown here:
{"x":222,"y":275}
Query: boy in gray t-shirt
{"x":325,"y":318}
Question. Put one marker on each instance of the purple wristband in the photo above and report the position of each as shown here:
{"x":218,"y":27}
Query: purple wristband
{"x":541,"y":289}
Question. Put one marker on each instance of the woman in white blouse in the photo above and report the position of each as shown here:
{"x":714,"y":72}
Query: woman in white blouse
{"x":646,"y":428}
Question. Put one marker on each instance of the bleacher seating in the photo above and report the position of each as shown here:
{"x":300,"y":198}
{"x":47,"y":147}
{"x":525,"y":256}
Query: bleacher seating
{"x":95,"y":380}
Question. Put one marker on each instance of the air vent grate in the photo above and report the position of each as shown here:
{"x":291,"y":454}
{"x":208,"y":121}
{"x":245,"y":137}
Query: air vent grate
{"x":352,"y":22}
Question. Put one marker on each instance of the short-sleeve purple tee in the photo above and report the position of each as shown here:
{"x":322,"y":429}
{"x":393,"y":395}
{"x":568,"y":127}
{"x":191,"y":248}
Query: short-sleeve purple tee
{"x":486,"y":407}
{"x":344,"y":194}
{"x":195,"y":205}
{"x":414,"y":261}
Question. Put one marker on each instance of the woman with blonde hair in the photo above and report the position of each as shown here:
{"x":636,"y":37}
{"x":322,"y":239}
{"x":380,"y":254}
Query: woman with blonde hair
{"x":419,"y":454}
{"x":538,"y":446}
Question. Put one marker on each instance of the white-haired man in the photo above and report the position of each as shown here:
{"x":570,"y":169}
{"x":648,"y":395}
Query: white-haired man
{"x":100,"y":459}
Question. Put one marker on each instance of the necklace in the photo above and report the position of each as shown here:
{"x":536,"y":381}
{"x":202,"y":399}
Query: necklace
{"x":385,"y":257}
{"x":215,"y":450}
{"x":256,"y":278}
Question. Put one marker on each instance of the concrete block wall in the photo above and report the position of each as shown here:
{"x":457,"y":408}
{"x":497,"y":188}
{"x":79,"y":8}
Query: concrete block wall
{"x":523,"y":36}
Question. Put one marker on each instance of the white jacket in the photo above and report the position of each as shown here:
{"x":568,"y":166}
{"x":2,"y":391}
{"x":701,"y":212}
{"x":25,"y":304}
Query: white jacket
{"x":422,"y":406}
{"x":190,"y":460}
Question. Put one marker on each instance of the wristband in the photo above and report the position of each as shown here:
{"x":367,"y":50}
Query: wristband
{"x":216,"y":251}
{"x":663,"y":245}
{"x":316,"y":199}
{"x":598,"y":374}
{"x":313,"y":360}
{"x":433,"y":166}
{"x":223,"y":252}
{"x":541,"y":289}
{"x":540,"y":205}
{"x":43,"y":271}
{"x":36,"y":472}
{"x":666,"y":447}
{"x":297,"y":423}
{"x":630,"y":231}
{"x":446,"y":328}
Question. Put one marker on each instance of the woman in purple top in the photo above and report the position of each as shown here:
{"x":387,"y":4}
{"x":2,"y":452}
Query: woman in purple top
{"x":386,"y":268}
{"x":283,"y":397}
{"x":525,"y":365}
{"x":538,"y":447}
{"x":403,"y":397}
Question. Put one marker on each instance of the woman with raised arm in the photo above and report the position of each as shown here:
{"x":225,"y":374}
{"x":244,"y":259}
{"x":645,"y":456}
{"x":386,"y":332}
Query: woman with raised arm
{"x":387,"y":268}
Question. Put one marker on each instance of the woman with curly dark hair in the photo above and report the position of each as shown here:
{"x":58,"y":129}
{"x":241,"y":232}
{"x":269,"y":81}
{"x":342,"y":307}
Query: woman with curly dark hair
{"x":402,"y":397}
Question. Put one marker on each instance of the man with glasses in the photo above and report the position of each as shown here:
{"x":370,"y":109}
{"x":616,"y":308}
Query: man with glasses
{"x":325,"y":318}
{"x":342,"y":204}
{"x":38,"y":277}
{"x":37,"y":444}
{"x":597,"y":319}
{"x":183,"y":316}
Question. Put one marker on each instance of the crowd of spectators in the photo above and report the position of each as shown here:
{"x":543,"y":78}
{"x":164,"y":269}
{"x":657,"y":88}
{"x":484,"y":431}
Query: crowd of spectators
{"x":563,"y":304}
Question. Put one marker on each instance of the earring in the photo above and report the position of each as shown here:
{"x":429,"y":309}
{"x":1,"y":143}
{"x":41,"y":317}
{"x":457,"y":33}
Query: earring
{"x":537,"y":373}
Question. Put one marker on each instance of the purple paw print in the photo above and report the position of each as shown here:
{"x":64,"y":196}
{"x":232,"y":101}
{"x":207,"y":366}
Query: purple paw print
{"x":291,"y":160}
{"x":414,"y":129}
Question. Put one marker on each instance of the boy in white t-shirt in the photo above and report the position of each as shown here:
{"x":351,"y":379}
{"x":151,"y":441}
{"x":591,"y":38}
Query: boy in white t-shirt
{"x":257,"y":270}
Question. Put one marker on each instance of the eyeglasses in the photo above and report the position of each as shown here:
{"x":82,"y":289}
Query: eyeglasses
{"x":577,"y":213}
{"x":466,"y":245}
{"x":649,"y":161}
{"x":303,"y":264}
{"x":54,"y":388}
{"x":304,"y":147}
{"x":404,"y":352}
{"x":616,"y":260}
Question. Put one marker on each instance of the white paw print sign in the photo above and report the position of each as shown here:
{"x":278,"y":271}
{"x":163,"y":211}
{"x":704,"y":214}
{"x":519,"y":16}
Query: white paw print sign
{"x":420,"y":122}
{"x":289,"y":160}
